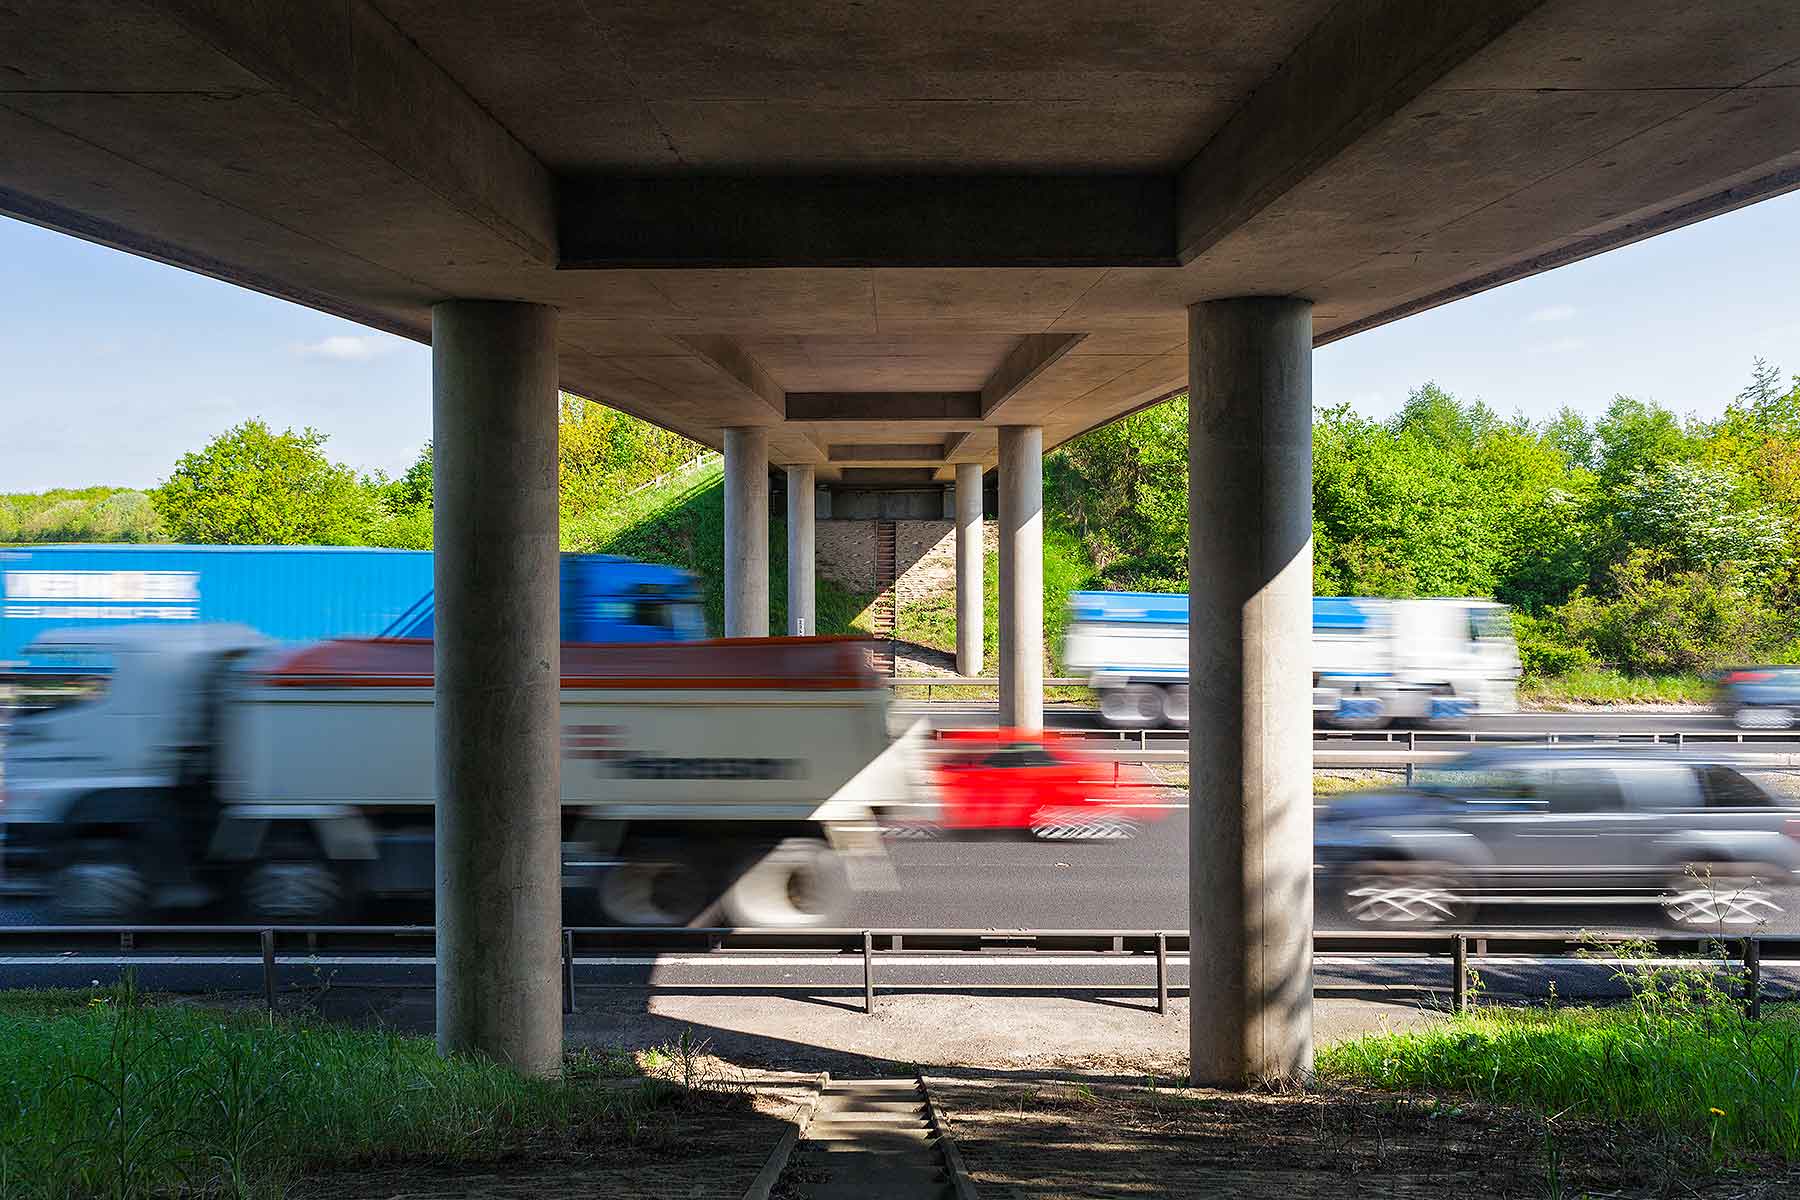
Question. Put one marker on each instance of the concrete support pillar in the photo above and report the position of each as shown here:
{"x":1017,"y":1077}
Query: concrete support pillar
{"x":746,"y":532}
{"x":499,"y":678}
{"x":1022,"y":577}
{"x":1250,"y":647}
{"x":969,"y":560}
{"x":800,"y":617}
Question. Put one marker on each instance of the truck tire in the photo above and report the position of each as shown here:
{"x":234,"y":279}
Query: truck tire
{"x":656,"y":885}
{"x":796,"y":884}
{"x":1175,"y":705}
{"x":102,"y":882}
{"x":1132,"y":706}
{"x":294,"y":891}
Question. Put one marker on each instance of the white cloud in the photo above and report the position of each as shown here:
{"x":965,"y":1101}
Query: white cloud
{"x":1562,"y":345}
{"x":1554,"y":312}
{"x":345,"y":348}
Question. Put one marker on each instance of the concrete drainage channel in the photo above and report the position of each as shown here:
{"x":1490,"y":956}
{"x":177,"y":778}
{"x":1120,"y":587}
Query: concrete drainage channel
{"x":876,"y":1139}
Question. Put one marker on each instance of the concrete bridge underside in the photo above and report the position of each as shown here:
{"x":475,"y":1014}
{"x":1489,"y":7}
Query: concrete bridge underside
{"x":889,"y":246}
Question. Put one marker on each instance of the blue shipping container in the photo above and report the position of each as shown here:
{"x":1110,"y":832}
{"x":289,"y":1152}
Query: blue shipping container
{"x":304,"y":593}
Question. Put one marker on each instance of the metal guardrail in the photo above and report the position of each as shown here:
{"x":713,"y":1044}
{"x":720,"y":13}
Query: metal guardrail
{"x":1462,"y":947}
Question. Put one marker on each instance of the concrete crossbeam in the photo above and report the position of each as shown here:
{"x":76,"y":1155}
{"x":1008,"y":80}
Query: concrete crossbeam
{"x":1358,"y":67}
{"x":884,"y":407}
{"x":612,"y":221}
{"x":886,"y":452}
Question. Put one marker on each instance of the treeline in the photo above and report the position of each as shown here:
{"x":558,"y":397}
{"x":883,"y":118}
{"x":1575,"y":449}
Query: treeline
{"x":254,"y":486}
{"x":1641,"y":541}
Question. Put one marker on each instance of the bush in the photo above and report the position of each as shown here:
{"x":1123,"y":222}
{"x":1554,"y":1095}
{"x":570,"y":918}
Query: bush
{"x":124,"y":517}
{"x":1544,"y":649}
{"x":1687,"y":621}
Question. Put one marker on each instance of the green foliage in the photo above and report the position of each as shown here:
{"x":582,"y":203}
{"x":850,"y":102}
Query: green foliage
{"x":1653,"y":622}
{"x":1681,"y":1059}
{"x":681,"y":522}
{"x":1120,"y":491}
{"x":98,"y":514}
{"x":603,"y":453}
{"x":252,"y":486}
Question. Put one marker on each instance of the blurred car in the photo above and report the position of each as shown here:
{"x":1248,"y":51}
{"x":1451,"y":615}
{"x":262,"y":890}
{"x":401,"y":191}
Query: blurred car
{"x":1760,"y":697}
{"x":1588,"y":826}
{"x":1005,"y":782}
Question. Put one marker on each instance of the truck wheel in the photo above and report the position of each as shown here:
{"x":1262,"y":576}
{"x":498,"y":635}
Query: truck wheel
{"x":1134,"y":706}
{"x":655,"y":886}
{"x":296,"y":891}
{"x":101,"y":883}
{"x":1175,"y":705}
{"x":797,"y":883}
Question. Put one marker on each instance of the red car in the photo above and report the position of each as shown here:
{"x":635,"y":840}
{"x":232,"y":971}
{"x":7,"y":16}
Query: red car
{"x":1036,"y":784}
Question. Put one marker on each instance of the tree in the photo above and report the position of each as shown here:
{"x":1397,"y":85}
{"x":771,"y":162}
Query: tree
{"x":251,"y":486}
{"x":1695,"y":517}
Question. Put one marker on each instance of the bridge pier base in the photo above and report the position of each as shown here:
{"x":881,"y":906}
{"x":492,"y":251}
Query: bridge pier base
{"x":498,"y":682}
{"x":1250,"y":639}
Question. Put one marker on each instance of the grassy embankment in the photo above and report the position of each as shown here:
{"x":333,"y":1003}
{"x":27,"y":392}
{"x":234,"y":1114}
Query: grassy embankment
{"x":1602,"y":687}
{"x":682,"y":524}
{"x":1679,"y":1065}
{"x":108,"y":1095}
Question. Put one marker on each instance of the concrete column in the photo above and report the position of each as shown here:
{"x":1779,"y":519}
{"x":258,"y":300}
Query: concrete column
{"x":1022,"y":577}
{"x":746,"y":532}
{"x":801,"y":621}
{"x":969,"y":558}
{"x":1250,"y":646}
{"x":499,"y":677}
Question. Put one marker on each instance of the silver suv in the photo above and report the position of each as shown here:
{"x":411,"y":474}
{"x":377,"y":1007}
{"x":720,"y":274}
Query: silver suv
{"x":1565,"y":826}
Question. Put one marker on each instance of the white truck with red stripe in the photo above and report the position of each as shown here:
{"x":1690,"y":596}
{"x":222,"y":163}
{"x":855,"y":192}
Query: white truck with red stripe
{"x":741,"y":781}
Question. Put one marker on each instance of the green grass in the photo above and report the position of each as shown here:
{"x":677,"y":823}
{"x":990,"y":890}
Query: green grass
{"x":682,"y":524}
{"x":1679,"y":1062}
{"x":931,"y":620}
{"x":103,"y":1094}
{"x":1599,"y":686}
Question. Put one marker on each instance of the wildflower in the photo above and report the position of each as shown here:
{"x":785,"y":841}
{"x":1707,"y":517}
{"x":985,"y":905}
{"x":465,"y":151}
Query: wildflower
{"x":1717,"y":1112}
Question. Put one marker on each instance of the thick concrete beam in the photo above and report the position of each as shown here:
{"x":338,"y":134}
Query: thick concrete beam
{"x":883,"y":407}
{"x":735,"y":364}
{"x":498,"y":684}
{"x":1034,"y":355}
{"x":894,"y":477}
{"x":1357,"y":67}
{"x":1021,"y":577}
{"x":801,"y":619}
{"x":747,"y":532}
{"x":700,"y":221}
{"x":970,"y":558}
{"x":883,"y":452}
{"x":1249,"y":644}
{"x":954,"y":442}
{"x":349,"y":64}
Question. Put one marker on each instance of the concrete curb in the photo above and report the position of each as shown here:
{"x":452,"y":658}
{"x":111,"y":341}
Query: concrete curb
{"x":960,"y":1182}
{"x":778,"y":1157}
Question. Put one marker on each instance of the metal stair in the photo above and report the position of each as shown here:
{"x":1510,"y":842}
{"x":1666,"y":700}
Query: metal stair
{"x":881,"y":613}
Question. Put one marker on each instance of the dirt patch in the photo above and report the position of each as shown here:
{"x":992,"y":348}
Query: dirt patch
{"x":674,"y":1144}
{"x":1048,"y":1141}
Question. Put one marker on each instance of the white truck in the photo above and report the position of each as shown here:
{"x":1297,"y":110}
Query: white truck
{"x":740,"y":781}
{"x":1374,"y":661}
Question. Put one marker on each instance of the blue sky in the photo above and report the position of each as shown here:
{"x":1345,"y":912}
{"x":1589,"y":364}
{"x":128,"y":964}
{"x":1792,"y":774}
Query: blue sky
{"x":111,"y":366}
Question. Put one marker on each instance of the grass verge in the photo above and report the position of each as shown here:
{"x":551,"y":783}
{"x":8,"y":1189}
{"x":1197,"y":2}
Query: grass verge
{"x":1614,"y":687}
{"x":109,"y":1095}
{"x":1680,"y":1061}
